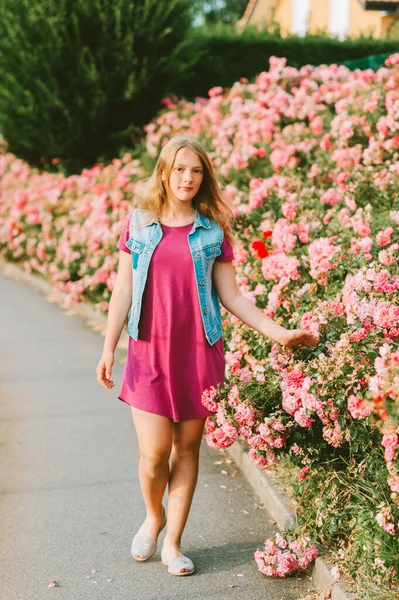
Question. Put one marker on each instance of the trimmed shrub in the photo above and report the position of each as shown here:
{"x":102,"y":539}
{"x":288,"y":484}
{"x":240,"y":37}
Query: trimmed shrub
{"x":76,"y":77}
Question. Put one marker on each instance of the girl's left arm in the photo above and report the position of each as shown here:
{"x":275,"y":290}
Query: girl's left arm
{"x":245,"y":310}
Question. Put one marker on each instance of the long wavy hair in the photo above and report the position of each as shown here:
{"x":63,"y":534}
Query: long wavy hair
{"x":208,"y":200}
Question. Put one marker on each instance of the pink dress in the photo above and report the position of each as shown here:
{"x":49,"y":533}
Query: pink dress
{"x":171,"y":363}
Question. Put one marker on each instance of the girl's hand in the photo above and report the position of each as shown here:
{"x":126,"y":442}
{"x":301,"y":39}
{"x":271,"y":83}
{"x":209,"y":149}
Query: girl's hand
{"x":296,"y":337}
{"x":104,"y":370}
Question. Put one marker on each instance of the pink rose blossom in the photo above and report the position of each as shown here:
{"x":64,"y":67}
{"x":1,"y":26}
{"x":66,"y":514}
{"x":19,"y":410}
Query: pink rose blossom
{"x":384,"y":237}
{"x":303,"y":473}
{"x":222,"y":437}
{"x":357,"y":407}
{"x":208,"y":399}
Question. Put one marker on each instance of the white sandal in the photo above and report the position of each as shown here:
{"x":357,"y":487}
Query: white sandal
{"x":177,"y":564}
{"x":143,"y":546}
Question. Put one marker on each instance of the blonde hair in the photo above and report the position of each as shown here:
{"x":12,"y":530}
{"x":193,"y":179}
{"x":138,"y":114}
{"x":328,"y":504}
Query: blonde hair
{"x":208,"y":201}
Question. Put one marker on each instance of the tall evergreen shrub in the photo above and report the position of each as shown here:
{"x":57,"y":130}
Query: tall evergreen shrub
{"x":77,"y":76}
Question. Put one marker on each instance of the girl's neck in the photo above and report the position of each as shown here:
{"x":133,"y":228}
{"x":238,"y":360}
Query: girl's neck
{"x":173,"y":216}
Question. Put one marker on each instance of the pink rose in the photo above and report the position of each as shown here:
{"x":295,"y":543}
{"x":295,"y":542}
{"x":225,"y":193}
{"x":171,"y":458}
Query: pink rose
{"x":303,"y":473}
{"x":258,"y":459}
{"x":356,"y":407}
{"x":223,"y":437}
{"x":384,"y":237}
{"x":101,"y":275}
{"x":208,"y":399}
{"x":302,"y":418}
{"x":280,"y":541}
{"x":215,"y":91}
{"x":287,"y":563}
{"x":393,"y":483}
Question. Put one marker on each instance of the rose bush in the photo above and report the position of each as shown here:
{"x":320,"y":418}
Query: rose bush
{"x":309,"y":162}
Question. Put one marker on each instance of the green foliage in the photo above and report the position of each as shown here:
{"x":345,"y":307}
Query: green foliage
{"x":78,"y":77}
{"x":337,"y":508}
{"x":223,"y":55}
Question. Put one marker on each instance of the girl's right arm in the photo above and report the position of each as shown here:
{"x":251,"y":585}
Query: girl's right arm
{"x":120,"y":303}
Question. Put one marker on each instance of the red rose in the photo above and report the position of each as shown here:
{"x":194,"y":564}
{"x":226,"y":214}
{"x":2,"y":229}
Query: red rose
{"x":260,"y":248}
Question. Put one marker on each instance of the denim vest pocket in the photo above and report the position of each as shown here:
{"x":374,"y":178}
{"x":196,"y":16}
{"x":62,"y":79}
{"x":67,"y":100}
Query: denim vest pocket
{"x":212,"y":251}
{"x":136,"y":247}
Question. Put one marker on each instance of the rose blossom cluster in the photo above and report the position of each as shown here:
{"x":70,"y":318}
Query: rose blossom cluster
{"x":266,"y":438}
{"x":323,"y":316}
{"x":364,"y":296}
{"x":385,"y":383}
{"x":385,"y":519}
{"x":321,"y":252}
{"x":220,"y":436}
{"x":219,"y":432}
{"x":65,"y":227}
{"x":284,"y":556}
{"x":209,"y":399}
{"x":273,"y":432}
{"x":390,"y":441}
{"x":298,"y":401}
{"x":384,"y":391}
{"x":233,"y":417}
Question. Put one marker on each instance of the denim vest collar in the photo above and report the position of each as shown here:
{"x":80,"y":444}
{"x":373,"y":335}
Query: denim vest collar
{"x":201,"y":220}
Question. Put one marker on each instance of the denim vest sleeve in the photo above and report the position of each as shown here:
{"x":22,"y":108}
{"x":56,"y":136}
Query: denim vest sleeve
{"x":205,"y":245}
{"x":142,"y":242}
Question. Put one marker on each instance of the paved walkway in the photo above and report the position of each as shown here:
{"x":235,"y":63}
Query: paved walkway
{"x":70,"y":498}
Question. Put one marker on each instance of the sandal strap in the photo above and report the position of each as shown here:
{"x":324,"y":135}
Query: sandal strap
{"x":143,"y":545}
{"x":180,"y":562}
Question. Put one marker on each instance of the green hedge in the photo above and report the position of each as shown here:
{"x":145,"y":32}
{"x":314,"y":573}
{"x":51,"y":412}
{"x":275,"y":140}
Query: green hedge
{"x":78,"y":76}
{"x":222,"y":56}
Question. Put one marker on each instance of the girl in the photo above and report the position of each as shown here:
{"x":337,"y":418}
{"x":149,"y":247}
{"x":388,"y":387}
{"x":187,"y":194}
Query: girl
{"x":175,"y":263}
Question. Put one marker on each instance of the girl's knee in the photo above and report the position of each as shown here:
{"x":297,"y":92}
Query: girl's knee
{"x":186,"y":449}
{"x":187,"y":438}
{"x":155,"y":462}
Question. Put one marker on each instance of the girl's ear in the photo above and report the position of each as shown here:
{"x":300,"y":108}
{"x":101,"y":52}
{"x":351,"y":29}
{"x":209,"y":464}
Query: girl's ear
{"x":163,"y":175}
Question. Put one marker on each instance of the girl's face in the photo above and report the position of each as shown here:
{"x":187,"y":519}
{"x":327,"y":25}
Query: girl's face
{"x":186,"y":175}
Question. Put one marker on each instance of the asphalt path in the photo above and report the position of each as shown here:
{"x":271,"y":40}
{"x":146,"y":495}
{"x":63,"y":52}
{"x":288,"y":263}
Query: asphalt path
{"x":70,"y":496}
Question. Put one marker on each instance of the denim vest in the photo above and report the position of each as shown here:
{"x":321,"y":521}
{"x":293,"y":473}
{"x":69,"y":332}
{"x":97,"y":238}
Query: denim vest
{"x":205,"y":240}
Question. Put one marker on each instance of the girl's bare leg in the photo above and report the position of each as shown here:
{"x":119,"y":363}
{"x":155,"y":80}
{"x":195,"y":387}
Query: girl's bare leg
{"x":154,"y":434}
{"x":187,"y":437}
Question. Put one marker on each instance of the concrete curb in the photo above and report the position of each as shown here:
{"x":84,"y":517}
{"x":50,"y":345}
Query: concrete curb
{"x":282,"y":509}
{"x":279,"y":505}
